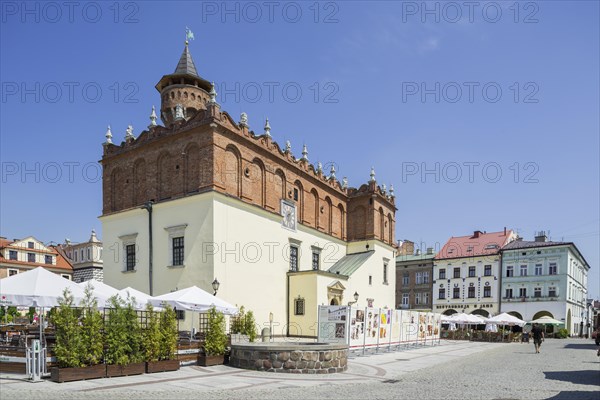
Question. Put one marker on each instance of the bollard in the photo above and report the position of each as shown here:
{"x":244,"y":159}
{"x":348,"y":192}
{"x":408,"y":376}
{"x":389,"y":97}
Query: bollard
{"x":265,"y":334}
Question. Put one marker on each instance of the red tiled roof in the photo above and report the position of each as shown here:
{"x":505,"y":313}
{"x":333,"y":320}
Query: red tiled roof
{"x":478,"y":244}
{"x":61,"y":261}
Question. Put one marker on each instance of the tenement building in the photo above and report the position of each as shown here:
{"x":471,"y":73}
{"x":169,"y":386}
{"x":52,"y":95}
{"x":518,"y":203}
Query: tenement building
{"x":204,"y":197}
{"x":467,"y":273}
{"x":21,"y":255}
{"x":414,"y":277}
{"x":545,"y":278}
{"x":86,"y":258}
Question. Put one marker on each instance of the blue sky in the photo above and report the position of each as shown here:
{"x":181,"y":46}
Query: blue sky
{"x":502,"y":90}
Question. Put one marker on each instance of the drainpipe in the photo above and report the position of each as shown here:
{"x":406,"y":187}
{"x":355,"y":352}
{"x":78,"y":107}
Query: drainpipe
{"x":148,"y":207}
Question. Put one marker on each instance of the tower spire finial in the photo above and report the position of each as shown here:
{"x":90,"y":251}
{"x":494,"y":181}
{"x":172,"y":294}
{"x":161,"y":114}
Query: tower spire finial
{"x":304,"y":153}
{"x":152,"y":118}
{"x":372,"y":174}
{"x":189,"y":35}
{"x":267,"y":128}
{"x":108,"y":136}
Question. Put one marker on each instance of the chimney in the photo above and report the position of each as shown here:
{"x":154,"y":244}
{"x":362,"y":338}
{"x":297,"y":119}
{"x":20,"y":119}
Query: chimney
{"x":430,"y":250}
{"x":541,"y":237}
{"x":504,"y":231}
{"x":476,"y":234}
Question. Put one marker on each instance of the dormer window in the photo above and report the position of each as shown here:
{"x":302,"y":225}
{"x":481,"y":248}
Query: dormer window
{"x":30,"y":245}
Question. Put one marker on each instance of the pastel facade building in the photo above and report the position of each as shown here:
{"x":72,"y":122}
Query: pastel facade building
{"x":467,"y":273}
{"x":21,"y":255}
{"x":545,"y":278}
{"x":414,"y":280}
{"x":204,"y":197}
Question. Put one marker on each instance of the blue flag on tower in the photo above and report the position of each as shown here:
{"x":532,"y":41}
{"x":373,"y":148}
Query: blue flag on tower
{"x":189,"y":34}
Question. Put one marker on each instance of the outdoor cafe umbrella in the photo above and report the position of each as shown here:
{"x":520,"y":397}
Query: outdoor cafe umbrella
{"x":141,"y":298}
{"x":546,"y":320}
{"x":100,"y":289}
{"x":505,"y":319}
{"x":194,"y":299}
{"x":37,"y":288}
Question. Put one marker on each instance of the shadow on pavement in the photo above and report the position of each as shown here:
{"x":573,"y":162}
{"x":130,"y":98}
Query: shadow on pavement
{"x":586,"y":377}
{"x":581,"y":346}
{"x":575,"y":395}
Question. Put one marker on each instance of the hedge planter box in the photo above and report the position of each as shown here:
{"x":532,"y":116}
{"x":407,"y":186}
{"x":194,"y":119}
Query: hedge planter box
{"x":125,"y":370}
{"x":207,"y":361}
{"x":162,"y":366}
{"x":77,"y":374}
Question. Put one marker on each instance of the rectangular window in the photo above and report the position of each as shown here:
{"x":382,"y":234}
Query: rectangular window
{"x":370,"y":280}
{"x":552,"y":291}
{"x":509,"y":271}
{"x":509,"y":293}
{"x":180,"y":314}
{"x":552,"y":269}
{"x":293,"y":258}
{"x":471,"y":292}
{"x":487,"y":270}
{"x":456,"y":293}
{"x":487,"y":291}
{"x":296,"y":199}
{"x":316,"y":260}
{"x":442,"y":294}
{"x":88,"y":254}
{"x":457,"y":272}
{"x":523,"y":270}
{"x":418,"y":298}
{"x":75,"y":254}
{"x":12,"y":272}
{"x":405,"y":279}
{"x":385,"y":266}
{"x":538,"y":269}
{"x":537,"y":292}
{"x":471,"y":272}
{"x":178,"y":250}
{"x":82,"y":255}
{"x":30,"y":245}
{"x":443,"y":273}
{"x":130,"y":257}
{"x":419,"y":278}
{"x":523,"y":292}
{"x":31,"y":257}
{"x":405,"y":299}
{"x":299,"y":306}
{"x":67,"y":277}
{"x":48,"y":259}
{"x":426,"y":298}
{"x":12,"y":255}
{"x":426,"y":277}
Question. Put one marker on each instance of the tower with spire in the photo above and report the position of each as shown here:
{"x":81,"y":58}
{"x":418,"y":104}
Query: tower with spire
{"x":183,"y":88}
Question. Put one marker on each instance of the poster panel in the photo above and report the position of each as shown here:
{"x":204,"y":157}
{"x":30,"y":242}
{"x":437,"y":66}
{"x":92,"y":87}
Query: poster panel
{"x":333,"y":324}
{"x":385,"y":316}
{"x":410,"y":326}
{"x":396,"y":327}
{"x":357,"y":327}
{"x":372,"y":326}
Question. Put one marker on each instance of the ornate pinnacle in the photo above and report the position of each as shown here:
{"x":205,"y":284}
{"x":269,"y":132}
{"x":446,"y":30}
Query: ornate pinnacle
{"x":392,"y":191}
{"x":244,"y":119}
{"x":372,"y":174}
{"x":213,"y":94}
{"x":152,"y":118}
{"x":267,"y":128}
{"x":319,"y":168}
{"x":129,"y":133}
{"x":108,"y":136}
{"x":332,"y":172}
{"x":345,"y":183}
{"x":304,"y":153}
{"x":384,"y":188}
{"x":288,"y":146}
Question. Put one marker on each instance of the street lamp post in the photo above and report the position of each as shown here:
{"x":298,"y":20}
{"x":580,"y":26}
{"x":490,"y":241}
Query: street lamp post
{"x":215,"y":286}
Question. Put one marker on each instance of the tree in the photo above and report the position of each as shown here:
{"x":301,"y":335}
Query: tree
{"x":250,"y":326}
{"x":134,"y":332}
{"x":168,"y":333}
{"x":151,"y":337}
{"x":69,"y":347}
{"x":117,"y":345}
{"x":92,"y":326}
{"x":216,"y":339}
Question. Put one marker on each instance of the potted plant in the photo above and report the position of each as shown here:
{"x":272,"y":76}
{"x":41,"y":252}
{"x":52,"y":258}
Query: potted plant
{"x":167,"y":349}
{"x":124,"y":339}
{"x":215,"y":344}
{"x":72,"y":347}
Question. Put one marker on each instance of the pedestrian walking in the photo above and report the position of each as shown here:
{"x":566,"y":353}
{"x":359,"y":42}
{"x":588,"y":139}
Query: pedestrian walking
{"x":538,"y":337}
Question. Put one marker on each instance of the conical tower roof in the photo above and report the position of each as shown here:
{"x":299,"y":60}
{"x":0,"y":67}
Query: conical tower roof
{"x":186,"y":64}
{"x":185,"y":73}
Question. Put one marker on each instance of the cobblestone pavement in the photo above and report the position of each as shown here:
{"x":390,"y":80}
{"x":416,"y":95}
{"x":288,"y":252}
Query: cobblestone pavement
{"x":565,"y":369}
